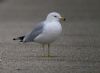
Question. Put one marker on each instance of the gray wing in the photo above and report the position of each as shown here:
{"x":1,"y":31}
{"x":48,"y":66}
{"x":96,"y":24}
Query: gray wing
{"x":35,"y":32}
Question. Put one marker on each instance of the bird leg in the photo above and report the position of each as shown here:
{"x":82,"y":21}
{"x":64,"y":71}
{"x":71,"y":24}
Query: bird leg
{"x":48,"y":47}
{"x":43,"y":48}
{"x":48,"y":50}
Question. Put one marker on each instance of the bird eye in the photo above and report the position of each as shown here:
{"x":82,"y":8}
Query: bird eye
{"x":55,"y":16}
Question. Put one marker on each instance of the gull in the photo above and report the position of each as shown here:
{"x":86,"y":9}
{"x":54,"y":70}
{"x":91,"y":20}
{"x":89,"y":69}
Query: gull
{"x":45,"y":32}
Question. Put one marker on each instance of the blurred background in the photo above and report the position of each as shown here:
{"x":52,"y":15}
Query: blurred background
{"x":27,"y":10}
{"x":78,"y":48}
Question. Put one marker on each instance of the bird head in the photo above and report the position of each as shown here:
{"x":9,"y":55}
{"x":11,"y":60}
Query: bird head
{"x":54,"y":16}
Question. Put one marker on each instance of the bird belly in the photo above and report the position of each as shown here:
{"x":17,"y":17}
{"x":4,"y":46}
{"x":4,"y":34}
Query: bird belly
{"x":50,"y":34}
{"x":47,"y":38}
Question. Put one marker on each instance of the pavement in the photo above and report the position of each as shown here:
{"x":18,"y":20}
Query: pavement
{"x":76,"y":51}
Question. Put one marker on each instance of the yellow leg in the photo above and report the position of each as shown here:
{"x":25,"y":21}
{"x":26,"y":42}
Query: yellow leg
{"x":43,"y":48}
{"x":48,"y":50}
{"x":48,"y":47}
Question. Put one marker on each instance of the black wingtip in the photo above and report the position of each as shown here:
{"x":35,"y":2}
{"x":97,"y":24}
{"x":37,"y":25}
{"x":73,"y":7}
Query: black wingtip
{"x":14,"y":39}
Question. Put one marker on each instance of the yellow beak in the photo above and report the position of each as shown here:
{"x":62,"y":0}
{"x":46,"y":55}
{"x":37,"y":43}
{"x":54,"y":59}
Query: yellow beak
{"x":63,"y":19}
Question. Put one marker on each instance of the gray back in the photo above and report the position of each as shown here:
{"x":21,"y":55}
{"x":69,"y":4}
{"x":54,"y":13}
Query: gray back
{"x":35,"y":32}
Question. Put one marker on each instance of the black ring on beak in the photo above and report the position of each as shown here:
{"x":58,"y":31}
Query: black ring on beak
{"x":63,"y":19}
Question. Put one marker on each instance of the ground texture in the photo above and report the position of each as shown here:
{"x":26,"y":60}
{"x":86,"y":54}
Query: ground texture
{"x":76,"y":51}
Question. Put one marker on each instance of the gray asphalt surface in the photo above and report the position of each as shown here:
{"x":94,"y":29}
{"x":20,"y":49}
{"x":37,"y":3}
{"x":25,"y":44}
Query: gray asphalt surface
{"x":76,"y":51}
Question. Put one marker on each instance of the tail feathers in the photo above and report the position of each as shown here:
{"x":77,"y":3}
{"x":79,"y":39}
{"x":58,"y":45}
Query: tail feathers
{"x":19,"y":38}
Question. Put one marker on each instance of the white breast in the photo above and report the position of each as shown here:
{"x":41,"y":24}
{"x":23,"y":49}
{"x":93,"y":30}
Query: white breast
{"x":50,"y":33}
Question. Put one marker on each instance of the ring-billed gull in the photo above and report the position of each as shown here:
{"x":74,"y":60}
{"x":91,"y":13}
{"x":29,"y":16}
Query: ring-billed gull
{"x":46,"y":32}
